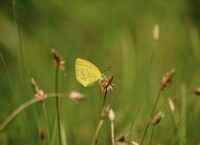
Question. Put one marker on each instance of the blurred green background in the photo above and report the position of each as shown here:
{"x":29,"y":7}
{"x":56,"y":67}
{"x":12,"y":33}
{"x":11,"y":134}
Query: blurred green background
{"x":107,"y":33}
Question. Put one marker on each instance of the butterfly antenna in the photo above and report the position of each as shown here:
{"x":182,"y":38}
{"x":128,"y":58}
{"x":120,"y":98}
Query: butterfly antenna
{"x":107,"y":69}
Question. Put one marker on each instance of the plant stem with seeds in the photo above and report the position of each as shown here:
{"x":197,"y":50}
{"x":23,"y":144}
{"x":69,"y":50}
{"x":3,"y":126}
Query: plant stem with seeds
{"x":112,"y":133}
{"x":24,"y":106}
{"x":132,"y":123}
{"x":47,"y":124}
{"x":150,"y":70}
{"x":57,"y":105}
{"x":148,"y":123}
{"x":151,"y":136}
{"x":104,"y":98}
{"x":16,"y":112}
{"x":94,"y":141}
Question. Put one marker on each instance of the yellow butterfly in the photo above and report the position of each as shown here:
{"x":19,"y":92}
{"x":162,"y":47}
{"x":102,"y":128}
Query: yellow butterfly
{"x":87,"y":73}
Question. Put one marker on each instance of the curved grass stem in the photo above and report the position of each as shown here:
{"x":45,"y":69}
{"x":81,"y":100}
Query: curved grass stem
{"x":24,"y":106}
{"x":16,"y":112}
{"x":94,"y":141}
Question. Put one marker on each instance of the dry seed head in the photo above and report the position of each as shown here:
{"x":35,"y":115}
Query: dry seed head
{"x":38,"y":93}
{"x":76,"y":96}
{"x":171,"y":105}
{"x":156,"y":32}
{"x":107,"y":84}
{"x":134,"y":143}
{"x":42,"y":134}
{"x":197,"y":91}
{"x":35,"y":86}
{"x":167,"y":79}
{"x":158,"y":118}
{"x":121,"y":138}
{"x":111,"y":115}
{"x":58,"y":60}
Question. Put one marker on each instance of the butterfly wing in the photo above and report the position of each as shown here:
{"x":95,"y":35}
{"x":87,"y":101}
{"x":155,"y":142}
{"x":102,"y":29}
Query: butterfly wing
{"x":86,"y":72}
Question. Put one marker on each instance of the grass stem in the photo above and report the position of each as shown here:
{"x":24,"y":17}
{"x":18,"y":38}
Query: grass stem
{"x":47,"y":124}
{"x":132,"y":122}
{"x":151,"y":136}
{"x":24,"y":106}
{"x":17,"y":111}
{"x":148,"y":123}
{"x":94,"y":141}
{"x":57,"y":105}
{"x":183,"y":116}
{"x":112,"y":133}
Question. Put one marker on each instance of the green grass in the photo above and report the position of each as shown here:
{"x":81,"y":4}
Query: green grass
{"x":107,"y":33}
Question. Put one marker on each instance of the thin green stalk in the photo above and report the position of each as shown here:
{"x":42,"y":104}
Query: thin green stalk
{"x":8,"y":74}
{"x":47,"y":124}
{"x":148,"y":123}
{"x":19,"y":38}
{"x":21,"y":55}
{"x":147,"y":91}
{"x":112,"y":133}
{"x":53,"y":137}
{"x":133,"y":122}
{"x":172,"y":136}
{"x":183,"y":116}
{"x":94,"y":141}
{"x":57,"y":105}
{"x":151,"y":136}
{"x":104,"y":98}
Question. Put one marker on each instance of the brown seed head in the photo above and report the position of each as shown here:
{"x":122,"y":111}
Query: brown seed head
{"x":197,"y":91}
{"x":167,"y":79}
{"x":42,"y":134}
{"x":121,"y":138}
{"x":158,"y":118}
{"x":107,"y":84}
{"x":35,"y":86}
{"x":58,"y":60}
{"x":38,"y":93}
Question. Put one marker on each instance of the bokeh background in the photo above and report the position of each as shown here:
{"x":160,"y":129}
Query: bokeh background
{"x":107,"y":33}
